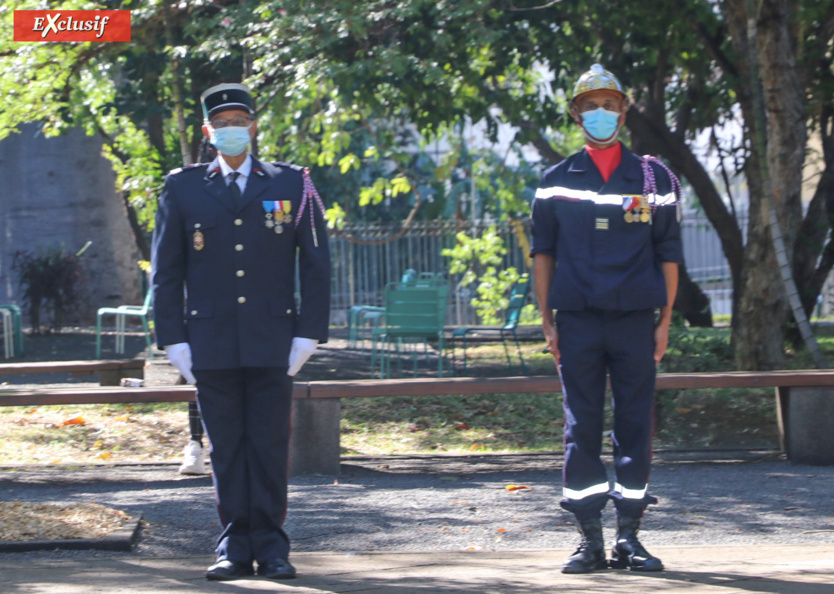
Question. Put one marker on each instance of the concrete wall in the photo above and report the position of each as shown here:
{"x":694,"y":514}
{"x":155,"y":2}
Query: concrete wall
{"x":62,"y":190}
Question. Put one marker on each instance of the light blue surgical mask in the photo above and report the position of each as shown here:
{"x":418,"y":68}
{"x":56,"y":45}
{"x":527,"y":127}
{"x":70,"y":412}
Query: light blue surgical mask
{"x":231,"y":140}
{"x":600,"y":125}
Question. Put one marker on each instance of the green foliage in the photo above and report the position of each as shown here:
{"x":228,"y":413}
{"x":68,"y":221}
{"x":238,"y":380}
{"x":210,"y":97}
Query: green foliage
{"x":477,"y":259}
{"x":697,"y":349}
{"x":50,"y":278}
{"x":461,"y":424}
{"x":348,"y":88}
{"x":376,"y":95}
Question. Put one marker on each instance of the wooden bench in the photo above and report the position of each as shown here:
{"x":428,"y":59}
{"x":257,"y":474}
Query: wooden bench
{"x":804,"y":405}
{"x":109,"y":372}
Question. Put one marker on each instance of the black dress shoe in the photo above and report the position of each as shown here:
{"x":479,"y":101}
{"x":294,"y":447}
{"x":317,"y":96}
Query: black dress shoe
{"x":276,"y":569}
{"x":227,"y":570}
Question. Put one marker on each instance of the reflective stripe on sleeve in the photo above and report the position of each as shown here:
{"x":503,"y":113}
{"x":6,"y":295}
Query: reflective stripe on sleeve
{"x":583,"y":493}
{"x":631,"y":493}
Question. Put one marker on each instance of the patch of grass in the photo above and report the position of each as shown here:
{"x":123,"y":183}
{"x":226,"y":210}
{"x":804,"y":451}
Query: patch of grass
{"x":697,"y":349}
{"x":722,"y":319}
{"x":93,"y":433}
{"x":488,"y":359}
{"x":734,"y":418}
{"x":527,"y":422}
{"x":454,"y":424}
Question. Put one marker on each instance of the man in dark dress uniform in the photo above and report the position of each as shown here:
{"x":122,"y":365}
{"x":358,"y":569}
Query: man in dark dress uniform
{"x":224,"y":276}
{"x":606,"y":241}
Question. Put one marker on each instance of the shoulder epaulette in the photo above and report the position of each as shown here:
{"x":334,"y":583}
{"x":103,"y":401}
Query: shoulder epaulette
{"x":288,"y":165}
{"x":186,"y":168}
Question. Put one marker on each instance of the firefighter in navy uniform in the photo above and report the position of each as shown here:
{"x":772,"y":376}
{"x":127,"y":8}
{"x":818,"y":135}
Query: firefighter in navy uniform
{"x":606,"y":242}
{"x":224,"y":270}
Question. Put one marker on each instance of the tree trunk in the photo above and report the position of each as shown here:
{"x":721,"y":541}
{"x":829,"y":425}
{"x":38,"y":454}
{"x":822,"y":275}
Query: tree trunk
{"x":139,"y":234}
{"x":176,"y":87}
{"x":35,"y":313}
{"x":758,"y":334}
{"x":813,"y":257}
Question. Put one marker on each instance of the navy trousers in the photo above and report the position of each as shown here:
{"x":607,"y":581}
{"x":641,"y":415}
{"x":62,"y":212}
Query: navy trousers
{"x":246,"y":412}
{"x":621,"y":343}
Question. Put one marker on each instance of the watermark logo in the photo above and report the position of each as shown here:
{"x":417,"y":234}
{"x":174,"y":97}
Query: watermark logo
{"x":71,"y":25}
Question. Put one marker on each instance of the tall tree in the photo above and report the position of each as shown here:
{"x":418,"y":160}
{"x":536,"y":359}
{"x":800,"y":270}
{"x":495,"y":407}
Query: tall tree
{"x":340,"y":81}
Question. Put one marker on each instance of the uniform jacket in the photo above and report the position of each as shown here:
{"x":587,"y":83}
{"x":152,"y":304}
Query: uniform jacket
{"x":602,"y":261}
{"x":225,"y":282}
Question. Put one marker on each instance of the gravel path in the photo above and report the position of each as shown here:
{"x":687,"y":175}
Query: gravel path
{"x":458,"y":503}
{"x":441,"y":503}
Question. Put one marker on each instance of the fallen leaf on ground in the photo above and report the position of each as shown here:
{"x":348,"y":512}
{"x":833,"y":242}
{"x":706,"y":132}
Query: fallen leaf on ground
{"x":516,"y":487}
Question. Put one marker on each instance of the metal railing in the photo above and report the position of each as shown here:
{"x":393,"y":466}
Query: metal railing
{"x":361,"y":269}
{"x":364,"y":261}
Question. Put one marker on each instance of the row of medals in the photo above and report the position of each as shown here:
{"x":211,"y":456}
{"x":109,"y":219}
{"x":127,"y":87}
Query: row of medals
{"x":633,"y":217}
{"x":277,"y":219}
{"x":644,"y":216}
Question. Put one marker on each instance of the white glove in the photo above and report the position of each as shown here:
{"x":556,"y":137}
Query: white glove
{"x":180,"y":357}
{"x":301,"y":350}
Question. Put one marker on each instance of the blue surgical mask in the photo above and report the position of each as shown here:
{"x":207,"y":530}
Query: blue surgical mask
{"x":231,"y":140}
{"x":600,"y":125}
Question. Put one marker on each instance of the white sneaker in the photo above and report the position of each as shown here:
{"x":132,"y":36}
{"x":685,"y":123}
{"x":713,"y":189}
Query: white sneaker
{"x":194,"y":459}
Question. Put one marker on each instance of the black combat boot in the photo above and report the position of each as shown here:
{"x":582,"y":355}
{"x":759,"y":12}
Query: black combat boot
{"x":590,"y":555}
{"x":628,"y":553}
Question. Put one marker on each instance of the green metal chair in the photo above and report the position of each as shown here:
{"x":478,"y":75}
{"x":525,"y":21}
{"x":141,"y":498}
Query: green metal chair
{"x":415,"y":311}
{"x":8,"y":333}
{"x":518,"y":299}
{"x":358,"y":318}
{"x":122,"y":312}
{"x":361,"y":316}
{"x":14,"y":330}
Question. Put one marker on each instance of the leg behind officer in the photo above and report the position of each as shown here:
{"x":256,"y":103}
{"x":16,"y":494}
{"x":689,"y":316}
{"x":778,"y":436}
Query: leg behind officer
{"x":225,"y":249}
{"x":606,"y":242}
